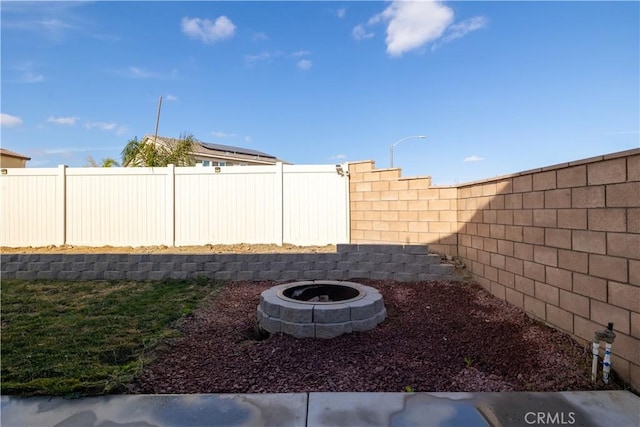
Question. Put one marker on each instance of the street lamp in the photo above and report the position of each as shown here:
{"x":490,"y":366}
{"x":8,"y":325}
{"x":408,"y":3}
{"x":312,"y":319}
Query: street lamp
{"x":398,"y":142}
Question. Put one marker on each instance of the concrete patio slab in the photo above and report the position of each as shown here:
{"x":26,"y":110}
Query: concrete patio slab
{"x":582,"y":408}
{"x":250,"y":410}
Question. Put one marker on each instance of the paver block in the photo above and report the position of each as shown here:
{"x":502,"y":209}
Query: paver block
{"x":212,"y":266}
{"x":117,"y":275}
{"x":222,"y":275}
{"x":333,"y":330}
{"x":405,"y":277}
{"x":314,"y":274}
{"x":402,"y":258}
{"x":362,"y":309}
{"x":69,"y":275}
{"x":298,"y":330}
{"x":244,"y":275}
{"x":296,"y":313}
{"x":268,"y":323}
{"x":364,"y":324}
{"x":441,"y":269}
{"x":331,"y":313}
{"x":416,"y":249}
{"x":270,"y":303}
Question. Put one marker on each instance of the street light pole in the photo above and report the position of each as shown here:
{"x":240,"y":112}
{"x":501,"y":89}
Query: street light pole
{"x":398,"y":142}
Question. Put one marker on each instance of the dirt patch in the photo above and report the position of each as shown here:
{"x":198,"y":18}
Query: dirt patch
{"x":439,"y":336}
{"x":205,"y":249}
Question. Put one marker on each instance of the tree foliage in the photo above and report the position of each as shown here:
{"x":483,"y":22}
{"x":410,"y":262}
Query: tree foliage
{"x":177,"y":152}
{"x":105,"y":163}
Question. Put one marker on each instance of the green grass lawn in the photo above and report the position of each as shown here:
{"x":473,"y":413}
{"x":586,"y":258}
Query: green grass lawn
{"x":75,"y":338}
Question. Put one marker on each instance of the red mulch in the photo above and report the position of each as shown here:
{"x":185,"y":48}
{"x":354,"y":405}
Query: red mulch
{"x":439,"y":336}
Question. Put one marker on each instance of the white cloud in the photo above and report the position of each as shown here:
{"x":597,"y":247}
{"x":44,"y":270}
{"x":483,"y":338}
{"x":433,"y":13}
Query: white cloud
{"x":9,"y":120}
{"x":413,"y":24}
{"x":207,"y":31}
{"x":133,"y":72}
{"x":338,"y":157}
{"x":262,"y":56}
{"x":341,"y":12}
{"x":359,"y":33}
{"x":122,"y":131}
{"x":67,"y":121}
{"x":171,"y":98}
{"x":300,"y":53}
{"x":473,"y":158}
{"x":223,"y":134}
{"x":258,"y":37}
{"x":30,"y":77}
{"x":304,"y":64}
{"x":101,"y":125}
{"x":463,"y":28}
{"x":248,"y":139}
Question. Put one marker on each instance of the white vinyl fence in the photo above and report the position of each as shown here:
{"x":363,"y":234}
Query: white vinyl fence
{"x":174,"y":206}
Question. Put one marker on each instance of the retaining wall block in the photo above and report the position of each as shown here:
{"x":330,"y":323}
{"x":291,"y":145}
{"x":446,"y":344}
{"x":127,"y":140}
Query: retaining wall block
{"x":405,"y":277}
{"x":415,"y":268}
{"x":433,"y":259}
{"x":364,"y":325}
{"x":296,"y":313}
{"x":290,"y":275}
{"x":298,"y":330}
{"x":402,"y":258}
{"x":358,"y":257}
{"x":45,"y":275}
{"x":269,"y":275}
{"x":346,"y":248}
{"x":326,"y":265}
{"x":244,"y":275}
{"x":380,"y":275}
{"x":268,"y":323}
{"x":222,"y":275}
{"x":442,"y":269}
{"x":302,"y":265}
{"x":11,"y":267}
{"x":114,"y":275}
{"x":137,"y":275}
{"x":416,"y":249}
{"x":70,"y":275}
{"x":258,"y":265}
{"x":358,"y":274}
{"x":333,"y":313}
{"x":380,"y":258}
{"x":337,"y":274}
{"x":362,"y":309}
{"x":314,"y":274}
{"x":212,"y":266}
{"x":192,"y":266}
{"x":333,"y":330}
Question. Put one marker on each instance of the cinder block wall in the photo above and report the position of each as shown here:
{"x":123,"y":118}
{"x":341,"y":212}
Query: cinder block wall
{"x":386,"y":208}
{"x":561,"y":242}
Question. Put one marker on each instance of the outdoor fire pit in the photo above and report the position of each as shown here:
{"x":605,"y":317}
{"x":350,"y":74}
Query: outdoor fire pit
{"x":320,"y":308}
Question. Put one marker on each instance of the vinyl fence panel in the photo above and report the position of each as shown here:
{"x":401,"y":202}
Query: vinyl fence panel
{"x":297,"y":204}
{"x":32,"y":207}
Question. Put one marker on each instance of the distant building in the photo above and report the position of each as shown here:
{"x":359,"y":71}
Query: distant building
{"x":209,"y":154}
{"x":11,"y":159}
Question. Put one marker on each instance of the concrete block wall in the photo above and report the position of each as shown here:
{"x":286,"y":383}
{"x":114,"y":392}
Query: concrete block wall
{"x":561,"y":242}
{"x":381,"y":262}
{"x":386,"y":208}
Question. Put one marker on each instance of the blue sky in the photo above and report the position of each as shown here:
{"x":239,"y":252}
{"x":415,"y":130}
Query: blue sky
{"x":497,"y":87}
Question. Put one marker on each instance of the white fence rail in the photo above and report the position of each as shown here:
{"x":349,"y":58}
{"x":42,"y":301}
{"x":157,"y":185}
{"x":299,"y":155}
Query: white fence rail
{"x":174,"y":206}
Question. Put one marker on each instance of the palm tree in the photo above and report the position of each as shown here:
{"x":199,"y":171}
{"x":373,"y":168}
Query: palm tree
{"x":106,"y":162}
{"x":177,"y":152}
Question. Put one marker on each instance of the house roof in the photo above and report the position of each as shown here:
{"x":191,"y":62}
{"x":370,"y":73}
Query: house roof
{"x":208,"y":148}
{"x":10,"y":153}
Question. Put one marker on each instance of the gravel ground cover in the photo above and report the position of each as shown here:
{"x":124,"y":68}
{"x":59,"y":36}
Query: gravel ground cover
{"x":439,"y":336}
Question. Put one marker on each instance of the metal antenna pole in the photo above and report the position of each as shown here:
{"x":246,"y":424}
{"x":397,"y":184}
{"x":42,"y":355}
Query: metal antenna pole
{"x":157,"y":120}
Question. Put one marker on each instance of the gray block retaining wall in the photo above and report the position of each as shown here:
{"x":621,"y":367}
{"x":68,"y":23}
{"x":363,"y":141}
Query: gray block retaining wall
{"x":371,"y":261}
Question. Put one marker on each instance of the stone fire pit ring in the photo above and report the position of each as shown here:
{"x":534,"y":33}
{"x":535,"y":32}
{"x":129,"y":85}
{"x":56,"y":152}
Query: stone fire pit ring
{"x":320,"y":308}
